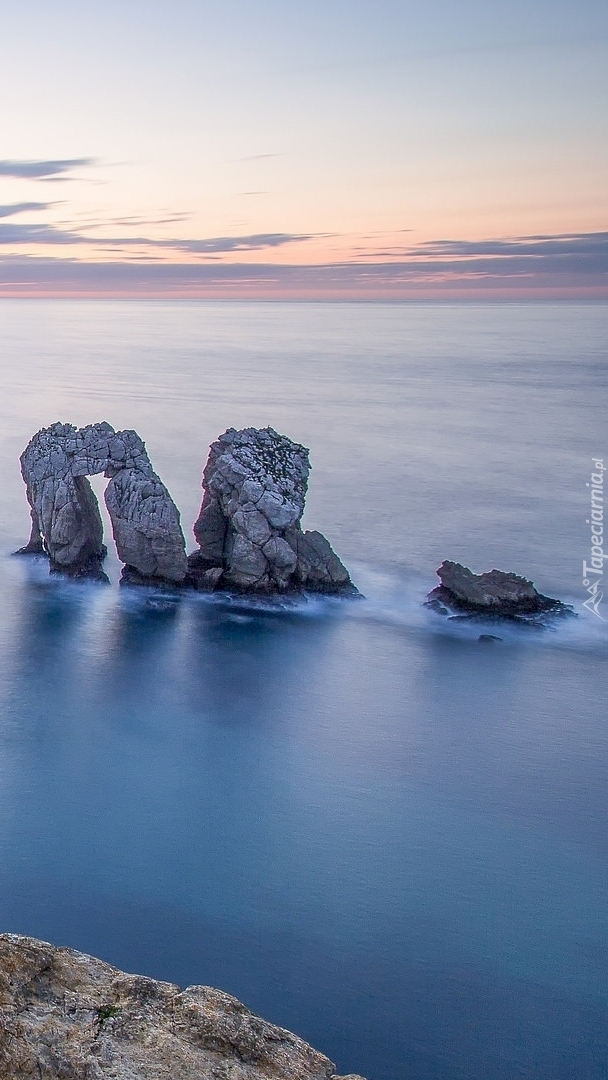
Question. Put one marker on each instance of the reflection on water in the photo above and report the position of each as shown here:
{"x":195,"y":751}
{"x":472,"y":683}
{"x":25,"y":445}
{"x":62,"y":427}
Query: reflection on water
{"x":209,"y":791}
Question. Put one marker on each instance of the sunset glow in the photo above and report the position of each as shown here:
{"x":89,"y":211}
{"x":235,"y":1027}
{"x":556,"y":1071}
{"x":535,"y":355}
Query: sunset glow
{"x":245,"y":150}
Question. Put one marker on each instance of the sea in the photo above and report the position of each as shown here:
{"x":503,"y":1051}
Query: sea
{"x":373,"y":828}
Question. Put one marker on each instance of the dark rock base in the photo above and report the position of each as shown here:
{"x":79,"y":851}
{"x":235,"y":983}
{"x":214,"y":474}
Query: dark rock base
{"x":204,"y":576}
{"x":445,"y":602}
{"x":33,"y":547}
{"x":131,"y":577}
{"x":89,"y":569}
{"x":494,"y":595}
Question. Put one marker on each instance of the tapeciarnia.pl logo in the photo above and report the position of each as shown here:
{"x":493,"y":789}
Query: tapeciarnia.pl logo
{"x":593,"y":572}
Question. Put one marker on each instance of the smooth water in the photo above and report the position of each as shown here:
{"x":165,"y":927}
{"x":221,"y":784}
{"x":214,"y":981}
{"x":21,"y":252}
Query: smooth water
{"x":374,"y":829}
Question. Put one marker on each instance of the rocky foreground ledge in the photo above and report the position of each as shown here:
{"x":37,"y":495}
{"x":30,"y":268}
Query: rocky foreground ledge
{"x":67,"y":1016}
{"x":495,"y":594}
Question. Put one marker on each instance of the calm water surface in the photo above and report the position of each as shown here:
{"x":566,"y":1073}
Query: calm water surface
{"x":369,"y":826}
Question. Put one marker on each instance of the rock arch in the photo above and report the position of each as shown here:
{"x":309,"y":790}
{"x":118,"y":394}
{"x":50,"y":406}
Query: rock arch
{"x":66,"y":523}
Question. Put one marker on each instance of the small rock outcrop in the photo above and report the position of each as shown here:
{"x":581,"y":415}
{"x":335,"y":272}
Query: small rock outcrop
{"x":495,"y":593}
{"x":67,"y":1016}
{"x":248,"y":529}
{"x":66,"y":523}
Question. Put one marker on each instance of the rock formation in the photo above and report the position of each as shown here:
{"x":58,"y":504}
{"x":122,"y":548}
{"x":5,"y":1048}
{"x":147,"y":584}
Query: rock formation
{"x":495,"y":593}
{"x":67,"y":1016}
{"x":66,"y":523}
{"x":248,"y":529}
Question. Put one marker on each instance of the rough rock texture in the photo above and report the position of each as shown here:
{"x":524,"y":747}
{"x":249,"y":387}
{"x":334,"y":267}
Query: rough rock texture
{"x":495,"y":593}
{"x":67,"y":1016}
{"x":248,"y":529}
{"x":65,"y":516}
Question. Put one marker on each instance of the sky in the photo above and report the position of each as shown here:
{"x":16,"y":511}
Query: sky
{"x":302,"y":149}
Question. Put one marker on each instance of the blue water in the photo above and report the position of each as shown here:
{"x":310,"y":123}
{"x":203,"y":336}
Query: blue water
{"x":369,"y":826}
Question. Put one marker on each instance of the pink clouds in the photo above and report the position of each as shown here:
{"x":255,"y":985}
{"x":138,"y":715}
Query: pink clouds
{"x":570,"y":265}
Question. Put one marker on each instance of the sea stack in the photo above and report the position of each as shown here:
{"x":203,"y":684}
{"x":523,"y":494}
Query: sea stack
{"x":494,"y":593}
{"x":248,"y":529}
{"x":66,"y":523}
{"x":67,"y":1015}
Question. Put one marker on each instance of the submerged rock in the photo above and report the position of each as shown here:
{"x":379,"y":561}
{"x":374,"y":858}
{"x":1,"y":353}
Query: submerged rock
{"x":66,"y":523}
{"x":68,"y":1016}
{"x":493,"y":594}
{"x":248,"y":529}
